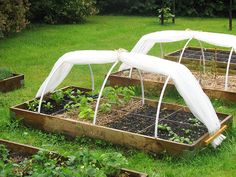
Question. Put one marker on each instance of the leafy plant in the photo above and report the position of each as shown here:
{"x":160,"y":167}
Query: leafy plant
{"x":173,"y":136}
{"x":105,"y":107}
{"x":127,"y":92}
{"x":82,"y":164}
{"x":71,"y":105}
{"x":33,"y":105}
{"x":85,"y":108}
{"x":57,"y":96}
{"x":3,"y":153}
{"x":194,"y":121}
{"x":112,"y":95}
{"x":48,"y":106}
{"x":5,"y":73}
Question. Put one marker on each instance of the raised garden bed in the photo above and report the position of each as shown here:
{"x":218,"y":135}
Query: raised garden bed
{"x":15,"y":81}
{"x":129,"y":125}
{"x":22,"y":159}
{"x":215,"y":58}
{"x":213,"y":85}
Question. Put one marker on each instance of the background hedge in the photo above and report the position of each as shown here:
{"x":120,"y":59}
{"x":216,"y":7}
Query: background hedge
{"x":207,"y":8}
{"x":61,"y":11}
{"x":13,"y":16}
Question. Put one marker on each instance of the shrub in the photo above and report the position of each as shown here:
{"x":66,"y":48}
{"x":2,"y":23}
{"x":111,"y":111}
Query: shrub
{"x":13,"y":16}
{"x":61,"y":11}
{"x":5,"y":73}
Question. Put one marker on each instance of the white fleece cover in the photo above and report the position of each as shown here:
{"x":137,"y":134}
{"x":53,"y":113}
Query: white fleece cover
{"x":185,"y":82}
{"x":146,"y":42}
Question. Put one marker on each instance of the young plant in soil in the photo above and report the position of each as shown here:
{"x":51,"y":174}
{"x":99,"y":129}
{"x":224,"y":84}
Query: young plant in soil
{"x":173,"y":135}
{"x":33,"y":105}
{"x":81,"y":164}
{"x":112,"y":97}
{"x":85,"y":108}
{"x":57,"y":96}
{"x":5,"y":73}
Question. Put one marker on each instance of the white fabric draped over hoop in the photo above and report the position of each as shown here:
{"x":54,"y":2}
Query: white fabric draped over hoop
{"x":185,"y":82}
{"x":147,"y":41}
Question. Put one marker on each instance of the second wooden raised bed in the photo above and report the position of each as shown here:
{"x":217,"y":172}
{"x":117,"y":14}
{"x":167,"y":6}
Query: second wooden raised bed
{"x":23,"y":150}
{"x":135,"y":128}
{"x":211,"y":86}
{"x":11,"y":83}
{"x":216,"y":59}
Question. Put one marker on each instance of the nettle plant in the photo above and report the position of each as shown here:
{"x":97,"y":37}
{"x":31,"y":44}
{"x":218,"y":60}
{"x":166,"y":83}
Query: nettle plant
{"x":81,"y":164}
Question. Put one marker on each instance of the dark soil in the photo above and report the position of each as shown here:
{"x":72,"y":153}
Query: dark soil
{"x":195,"y":53}
{"x":18,"y":157}
{"x":59,"y":107}
{"x":142,"y":121}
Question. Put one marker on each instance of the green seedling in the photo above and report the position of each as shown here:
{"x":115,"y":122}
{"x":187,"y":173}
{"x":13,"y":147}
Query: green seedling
{"x":33,"y":105}
{"x":105,"y":107}
{"x":194,"y":121}
{"x":164,"y":127}
{"x":86,"y":112}
{"x":70,"y":106}
{"x":48,"y":106}
{"x":57,"y":96}
{"x":186,"y":131}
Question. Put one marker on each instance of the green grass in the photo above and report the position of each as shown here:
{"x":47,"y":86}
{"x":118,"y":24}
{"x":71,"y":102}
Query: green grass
{"x":35,"y":50}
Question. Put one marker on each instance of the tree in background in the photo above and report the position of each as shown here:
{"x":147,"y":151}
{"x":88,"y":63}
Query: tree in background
{"x":13,"y":16}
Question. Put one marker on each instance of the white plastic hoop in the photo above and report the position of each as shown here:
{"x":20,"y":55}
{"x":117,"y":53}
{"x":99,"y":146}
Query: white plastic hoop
{"x":203,"y":57}
{"x":102,"y":88}
{"x":46,"y":84}
{"x":91,"y":75}
{"x":163,"y":90}
{"x":227,"y":69}
{"x":142,"y":86}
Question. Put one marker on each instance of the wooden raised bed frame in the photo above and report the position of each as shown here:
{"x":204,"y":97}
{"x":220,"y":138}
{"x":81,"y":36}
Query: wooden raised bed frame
{"x":73,"y":128}
{"x":11,"y":83}
{"x":116,"y":79}
{"x":30,"y":150}
{"x":193,"y":63}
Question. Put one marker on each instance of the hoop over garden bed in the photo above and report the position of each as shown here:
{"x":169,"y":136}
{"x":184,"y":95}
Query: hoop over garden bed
{"x":21,"y":152}
{"x":213,"y":85}
{"x":118,"y":126}
{"x":178,"y":129}
{"x":215,"y":58}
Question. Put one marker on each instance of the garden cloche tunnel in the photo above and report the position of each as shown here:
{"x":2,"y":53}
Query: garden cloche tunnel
{"x":185,"y":83}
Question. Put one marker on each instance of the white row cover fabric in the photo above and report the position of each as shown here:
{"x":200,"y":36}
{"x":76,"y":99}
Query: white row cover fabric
{"x":65,"y":63}
{"x":147,"y":41}
{"x":185,"y":82}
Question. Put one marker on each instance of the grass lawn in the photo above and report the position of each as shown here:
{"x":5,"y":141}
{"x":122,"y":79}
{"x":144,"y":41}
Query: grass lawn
{"x":34,"y":51}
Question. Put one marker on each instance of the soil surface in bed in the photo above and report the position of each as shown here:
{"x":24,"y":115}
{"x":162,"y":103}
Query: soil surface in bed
{"x":206,"y":80}
{"x":141,"y":119}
